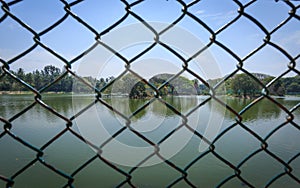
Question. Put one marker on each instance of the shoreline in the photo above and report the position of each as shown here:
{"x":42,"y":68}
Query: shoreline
{"x":61,"y":92}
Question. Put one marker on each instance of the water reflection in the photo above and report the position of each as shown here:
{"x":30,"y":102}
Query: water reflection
{"x":11,"y":105}
{"x":38,"y":126}
{"x":264,"y":109}
{"x":68,"y":105}
{"x":129,"y":106}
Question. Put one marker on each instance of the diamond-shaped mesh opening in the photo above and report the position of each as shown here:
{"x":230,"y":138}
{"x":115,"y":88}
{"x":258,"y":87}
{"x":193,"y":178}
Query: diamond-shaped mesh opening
{"x":255,"y":171}
{"x":188,"y":153}
{"x":111,"y":11}
{"x":275,"y":63}
{"x":287,"y":38}
{"x":245,"y":31}
{"x":98,"y":173}
{"x":273,"y":18}
{"x":215,"y":15}
{"x":152,"y":65}
{"x":15,"y":38}
{"x":38,"y":10}
{"x":171,"y":123}
{"x":37,"y":170}
{"x":9,"y":108}
{"x":16,"y":155}
{"x":47,"y":129}
{"x":173,"y":8}
{"x":205,"y":109}
{"x":187,"y":25}
{"x":246,"y":142}
{"x":148,"y":177}
{"x":256,"y":120}
{"x":244,"y":86}
{"x":69,"y":33}
{"x":70,"y":145}
{"x":264,"y":109}
{"x":33,"y":62}
{"x":282,"y":140}
{"x":202,"y":171}
{"x":222,"y":56}
{"x":138,"y":38}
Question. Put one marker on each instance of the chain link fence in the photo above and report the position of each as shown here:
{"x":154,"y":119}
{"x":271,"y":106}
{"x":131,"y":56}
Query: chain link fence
{"x":8,"y":123}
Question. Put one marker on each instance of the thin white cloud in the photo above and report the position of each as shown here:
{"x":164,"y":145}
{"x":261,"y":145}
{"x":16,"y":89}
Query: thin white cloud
{"x":199,"y":12}
{"x":221,"y":15}
{"x":219,"y":18}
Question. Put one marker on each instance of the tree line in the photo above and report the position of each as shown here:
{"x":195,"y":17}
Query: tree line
{"x":238,"y":85}
{"x":41,"y":78}
{"x":245,"y":86}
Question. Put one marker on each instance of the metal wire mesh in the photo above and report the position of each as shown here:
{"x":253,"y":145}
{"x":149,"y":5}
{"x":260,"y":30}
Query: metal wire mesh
{"x":237,"y":173}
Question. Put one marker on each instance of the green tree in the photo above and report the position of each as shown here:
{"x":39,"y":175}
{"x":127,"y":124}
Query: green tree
{"x":138,"y":90}
{"x":243,"y":85}
{"x":66,"y":84}
{"x":21,"y":73}
{"x":179,"y":85}
{"x":5,"y":84}
{"x":293,"y":88}
{"x":37,"y":80}
{"x":276,"y":88}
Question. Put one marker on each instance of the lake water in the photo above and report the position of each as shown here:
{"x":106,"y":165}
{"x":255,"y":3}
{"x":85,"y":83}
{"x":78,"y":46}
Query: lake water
{"x":38,"y":126}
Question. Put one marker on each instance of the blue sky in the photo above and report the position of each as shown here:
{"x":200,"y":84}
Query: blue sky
{"x":70,"y":38}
